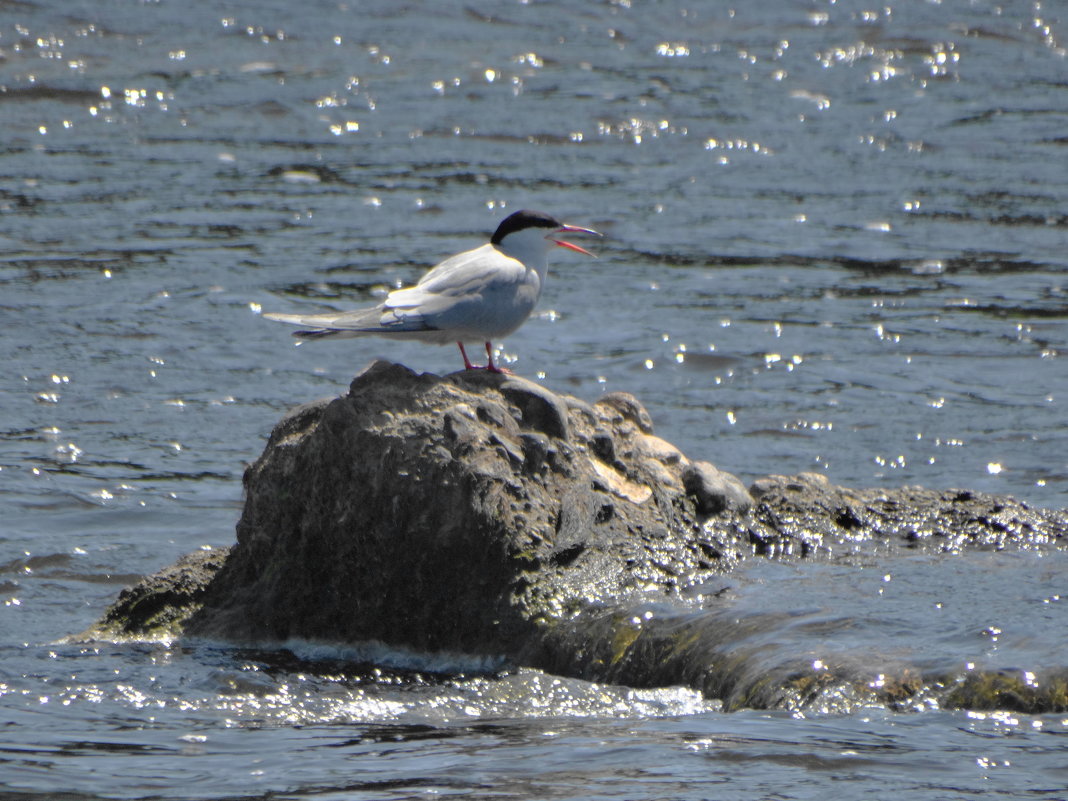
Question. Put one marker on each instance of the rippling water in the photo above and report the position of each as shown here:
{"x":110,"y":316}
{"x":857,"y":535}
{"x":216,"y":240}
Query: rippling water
{"x":836,"y":242}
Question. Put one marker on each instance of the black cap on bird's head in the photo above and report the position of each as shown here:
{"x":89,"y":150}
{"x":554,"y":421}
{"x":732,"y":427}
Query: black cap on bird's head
{"x":524,"y":219}
{"x":519,"y":220}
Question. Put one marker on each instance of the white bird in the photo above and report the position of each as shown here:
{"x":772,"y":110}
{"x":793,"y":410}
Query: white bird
{"x":478,"y":295}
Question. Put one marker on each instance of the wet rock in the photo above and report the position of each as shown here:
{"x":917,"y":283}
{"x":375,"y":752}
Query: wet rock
{"x":806,"y":515}
{"x":461,"y":513}
{"x":730,"y":657}
{"x":482,"y":513}
{"x":159,"y":605}
{"x":1017,"y":691}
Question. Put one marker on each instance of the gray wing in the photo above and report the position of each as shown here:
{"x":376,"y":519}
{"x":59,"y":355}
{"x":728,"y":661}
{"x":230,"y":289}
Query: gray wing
{"x":449,"y":297}
{"x":455,"y":291}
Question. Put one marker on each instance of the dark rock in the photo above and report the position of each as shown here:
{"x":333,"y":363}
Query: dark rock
{"x":461,"y":513}
{"x":713,"y":490}
{"x":1011,"y":690}
{"x":806,"y":514}
{"x":159,"y":605}
{"x":481,"y":513}
{"x":540,"y":409}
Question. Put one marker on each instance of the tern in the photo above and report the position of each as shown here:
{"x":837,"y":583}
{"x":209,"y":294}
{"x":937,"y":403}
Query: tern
{"x":478,"y":295}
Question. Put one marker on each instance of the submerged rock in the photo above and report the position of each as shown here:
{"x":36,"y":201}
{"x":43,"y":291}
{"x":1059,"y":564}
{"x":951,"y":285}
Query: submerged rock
{"x":482,"y":513}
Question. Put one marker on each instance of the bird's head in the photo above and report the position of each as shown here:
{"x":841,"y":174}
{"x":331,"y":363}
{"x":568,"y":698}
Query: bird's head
{"x":535,"y":231}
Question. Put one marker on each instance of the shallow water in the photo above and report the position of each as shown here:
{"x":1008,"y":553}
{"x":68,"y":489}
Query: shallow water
{"x":149,"y":721}
{"x":835,"y":242}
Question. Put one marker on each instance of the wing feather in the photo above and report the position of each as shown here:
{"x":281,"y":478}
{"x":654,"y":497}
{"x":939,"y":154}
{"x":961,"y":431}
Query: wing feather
{"x":479,"y":293}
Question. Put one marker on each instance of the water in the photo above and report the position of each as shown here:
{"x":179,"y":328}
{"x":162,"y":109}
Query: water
{"x":835,"y":243}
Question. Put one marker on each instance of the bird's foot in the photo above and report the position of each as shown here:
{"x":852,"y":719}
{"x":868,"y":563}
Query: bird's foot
{"x":489,"y":362}
{"x":489,"y":368}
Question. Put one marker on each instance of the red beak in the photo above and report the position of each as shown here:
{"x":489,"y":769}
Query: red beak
{"x":572,"y":229}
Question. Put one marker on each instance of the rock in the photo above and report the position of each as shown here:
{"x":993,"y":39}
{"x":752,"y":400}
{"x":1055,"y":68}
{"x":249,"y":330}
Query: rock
{"x":660,"y":450}
{"x":480,"y":513}
{"x":807,"y":515}
{"x":541,"y":410}
{"x":713,"y":490}
{"x":159,"y":605}
{"x":626,"y":406}
{"x":461,"y":513}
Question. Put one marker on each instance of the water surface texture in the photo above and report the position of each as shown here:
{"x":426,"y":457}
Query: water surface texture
{"x":835,"y":241}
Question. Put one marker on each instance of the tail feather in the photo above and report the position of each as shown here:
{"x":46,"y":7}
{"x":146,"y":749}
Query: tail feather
{"x":338,"y":324}
{"x":322,"y":333}
{"x":359,"y":318}
{"x":361,"y":322}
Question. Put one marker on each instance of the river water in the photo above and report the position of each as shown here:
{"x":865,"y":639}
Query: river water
{"x":835,"y":241}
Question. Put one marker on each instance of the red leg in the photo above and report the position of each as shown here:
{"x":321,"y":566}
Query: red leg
{"x":467,"y":362}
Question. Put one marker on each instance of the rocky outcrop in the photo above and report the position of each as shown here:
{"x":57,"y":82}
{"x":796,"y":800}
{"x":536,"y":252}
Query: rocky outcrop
{"x":461,"y":513}
{"x":807,"y":515}
{"x":160,"y":605}
{"x":482,"y":513}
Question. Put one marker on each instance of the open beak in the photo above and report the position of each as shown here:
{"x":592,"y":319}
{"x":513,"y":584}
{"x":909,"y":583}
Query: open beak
{"x":572,"y":229}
